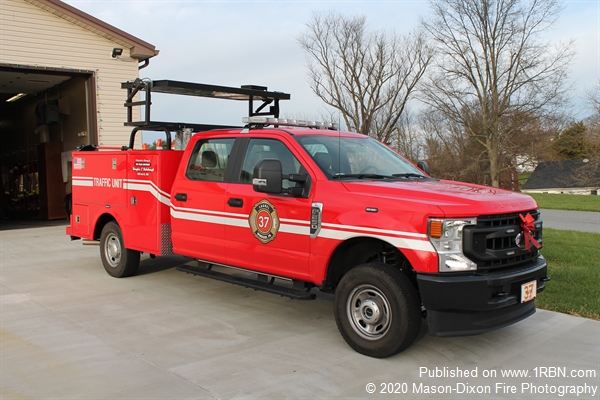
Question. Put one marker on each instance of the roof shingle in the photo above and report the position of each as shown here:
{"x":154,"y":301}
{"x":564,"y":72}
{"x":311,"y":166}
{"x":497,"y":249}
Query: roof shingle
{"x":558,"y":174}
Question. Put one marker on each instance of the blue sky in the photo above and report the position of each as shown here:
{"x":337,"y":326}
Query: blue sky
{"x":233,"y":43}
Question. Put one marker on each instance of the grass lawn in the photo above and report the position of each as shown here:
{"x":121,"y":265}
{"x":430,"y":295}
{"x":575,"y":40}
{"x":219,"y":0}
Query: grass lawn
{"x":574,"y":202}
{"x":574,"y":267}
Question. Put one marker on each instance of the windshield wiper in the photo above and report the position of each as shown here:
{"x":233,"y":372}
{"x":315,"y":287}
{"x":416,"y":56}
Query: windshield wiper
{"x":408,"y":175}
{"x":363,"y":176}
{"x":378,"y":176}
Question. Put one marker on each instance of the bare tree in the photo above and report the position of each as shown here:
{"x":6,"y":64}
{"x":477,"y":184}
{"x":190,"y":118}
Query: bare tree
{"x":367,"y":76}
{"x":449,"y":151}
{"x":589,"y":173}
{"x":492,"y":63}
{"x":407,"y":137}
{"x":529,"y":139}
{"x":593,"y":120}
{"x":593,"y":102}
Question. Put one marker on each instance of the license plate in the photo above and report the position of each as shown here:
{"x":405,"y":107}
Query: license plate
{"x":528,"y":291}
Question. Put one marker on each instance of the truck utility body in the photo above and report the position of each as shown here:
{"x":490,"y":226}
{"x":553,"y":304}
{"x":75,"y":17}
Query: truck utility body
{"x":332,"y":210}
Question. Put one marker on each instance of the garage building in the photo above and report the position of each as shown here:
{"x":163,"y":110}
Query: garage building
{"x":60,"y":86}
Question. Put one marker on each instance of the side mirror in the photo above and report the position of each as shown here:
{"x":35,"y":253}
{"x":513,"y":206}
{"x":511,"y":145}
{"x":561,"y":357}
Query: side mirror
{"x":268,"y":177}
{"x":423,"y":166}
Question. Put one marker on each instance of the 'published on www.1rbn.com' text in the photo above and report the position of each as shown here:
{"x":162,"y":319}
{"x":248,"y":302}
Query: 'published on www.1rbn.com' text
{"x":535,"y":382}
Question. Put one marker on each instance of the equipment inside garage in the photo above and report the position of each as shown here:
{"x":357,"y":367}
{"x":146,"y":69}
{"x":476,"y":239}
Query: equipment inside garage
{"x":44,"y":115}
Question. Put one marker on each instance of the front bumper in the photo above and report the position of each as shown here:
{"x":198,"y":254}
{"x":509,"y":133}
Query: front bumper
{"x":470,"y":304}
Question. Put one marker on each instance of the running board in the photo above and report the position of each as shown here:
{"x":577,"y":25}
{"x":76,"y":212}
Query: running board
{"x":249,"y":283}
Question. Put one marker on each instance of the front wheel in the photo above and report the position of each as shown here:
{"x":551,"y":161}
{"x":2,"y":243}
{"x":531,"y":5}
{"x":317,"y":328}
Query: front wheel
{"x":117,"y":260}
{"x":377,"y":310}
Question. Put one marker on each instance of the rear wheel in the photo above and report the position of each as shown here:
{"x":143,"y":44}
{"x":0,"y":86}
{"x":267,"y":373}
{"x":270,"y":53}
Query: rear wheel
{"x":117,"y":260}
{"x":377,"y":310}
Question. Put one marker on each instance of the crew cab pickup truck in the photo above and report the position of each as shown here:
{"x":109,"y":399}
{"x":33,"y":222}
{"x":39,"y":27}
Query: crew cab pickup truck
{"x":322,"y":209}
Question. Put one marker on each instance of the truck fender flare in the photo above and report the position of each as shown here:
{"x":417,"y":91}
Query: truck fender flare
{"x":361,"y":250}
{"x":101,"y":221}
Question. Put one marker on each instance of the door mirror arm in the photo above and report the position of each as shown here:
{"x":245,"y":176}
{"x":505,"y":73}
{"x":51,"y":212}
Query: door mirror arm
{"x":300,"y":178}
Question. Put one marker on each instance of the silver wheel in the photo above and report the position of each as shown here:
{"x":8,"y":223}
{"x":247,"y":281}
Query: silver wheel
{"x":377,"y":309}
{"x":112,"y":250}
{"x":369,"y":312}
{"x":118,"y":260}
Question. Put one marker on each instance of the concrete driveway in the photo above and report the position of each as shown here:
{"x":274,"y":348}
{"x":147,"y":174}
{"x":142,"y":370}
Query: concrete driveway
{"x":70,"y":331}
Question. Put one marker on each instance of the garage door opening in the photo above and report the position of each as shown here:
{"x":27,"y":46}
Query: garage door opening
{"x":44,"y":115}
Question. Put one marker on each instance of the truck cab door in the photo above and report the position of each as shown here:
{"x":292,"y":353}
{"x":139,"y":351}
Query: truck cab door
{"x":267,"y":233}
{"x":198,"y":201}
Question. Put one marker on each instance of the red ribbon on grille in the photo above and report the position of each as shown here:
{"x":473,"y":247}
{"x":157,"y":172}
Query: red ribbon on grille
{"x":528,"y":225}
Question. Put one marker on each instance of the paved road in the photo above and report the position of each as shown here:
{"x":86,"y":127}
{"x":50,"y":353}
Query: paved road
{"x":68,"y":330}
{"x":572,"y":220}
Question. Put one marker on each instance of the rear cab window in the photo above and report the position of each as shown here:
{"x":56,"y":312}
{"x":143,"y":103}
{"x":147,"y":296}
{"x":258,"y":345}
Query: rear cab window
{"x":209,"y":159}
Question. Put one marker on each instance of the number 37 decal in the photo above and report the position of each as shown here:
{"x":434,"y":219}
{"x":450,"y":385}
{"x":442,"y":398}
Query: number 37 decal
{"x":264,"y":221}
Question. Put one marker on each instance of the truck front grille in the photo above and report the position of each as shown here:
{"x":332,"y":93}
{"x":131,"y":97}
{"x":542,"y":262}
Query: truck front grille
{"x":492,"y":243}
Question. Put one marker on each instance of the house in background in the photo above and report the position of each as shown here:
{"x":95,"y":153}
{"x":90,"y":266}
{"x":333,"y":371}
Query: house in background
{"x":571,"y":177}
{"x":525,"y":163}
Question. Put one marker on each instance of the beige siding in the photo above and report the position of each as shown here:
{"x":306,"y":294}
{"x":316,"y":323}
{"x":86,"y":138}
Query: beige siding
{"x":30,"y":36}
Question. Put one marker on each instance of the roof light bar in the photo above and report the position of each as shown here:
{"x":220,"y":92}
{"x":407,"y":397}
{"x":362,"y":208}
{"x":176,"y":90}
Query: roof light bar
{"x":289,"y":122}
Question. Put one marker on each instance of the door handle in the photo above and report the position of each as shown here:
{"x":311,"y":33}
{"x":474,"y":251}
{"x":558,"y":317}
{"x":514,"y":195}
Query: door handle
{"x":181,"y":197}
{"x":235,"y":202}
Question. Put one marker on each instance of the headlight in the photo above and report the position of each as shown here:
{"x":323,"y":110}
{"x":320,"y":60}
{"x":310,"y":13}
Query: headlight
{"x":446,"y":236}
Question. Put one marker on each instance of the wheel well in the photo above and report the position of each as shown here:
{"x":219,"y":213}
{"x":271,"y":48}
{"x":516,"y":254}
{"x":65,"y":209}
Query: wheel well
{"x":357,"y":251}
{"x":102,"y":221}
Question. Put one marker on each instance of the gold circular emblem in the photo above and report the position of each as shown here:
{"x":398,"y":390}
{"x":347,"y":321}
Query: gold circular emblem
{"x":264,"y":221}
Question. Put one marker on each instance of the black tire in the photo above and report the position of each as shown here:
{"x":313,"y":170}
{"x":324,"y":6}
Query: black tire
{"x":377,"y":310}
{"x":118,"y":261}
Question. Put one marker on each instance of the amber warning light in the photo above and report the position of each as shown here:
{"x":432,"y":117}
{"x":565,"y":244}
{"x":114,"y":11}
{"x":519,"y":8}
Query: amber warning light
{"x":435,"y":228}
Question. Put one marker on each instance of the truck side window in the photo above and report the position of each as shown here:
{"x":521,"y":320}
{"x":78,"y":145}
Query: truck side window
{"x":260,"y":149}
{"x":209,"y":160}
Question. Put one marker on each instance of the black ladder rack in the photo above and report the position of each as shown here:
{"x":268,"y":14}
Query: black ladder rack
{"x":249,"y":93}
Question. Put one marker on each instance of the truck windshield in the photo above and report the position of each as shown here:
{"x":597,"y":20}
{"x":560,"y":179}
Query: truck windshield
{"x":357,"y":158}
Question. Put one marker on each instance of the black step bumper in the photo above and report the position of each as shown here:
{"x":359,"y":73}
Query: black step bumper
{"x":470,"y":304}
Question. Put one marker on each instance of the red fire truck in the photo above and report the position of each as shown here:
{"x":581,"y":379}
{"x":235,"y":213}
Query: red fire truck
{"x":301,"y":205}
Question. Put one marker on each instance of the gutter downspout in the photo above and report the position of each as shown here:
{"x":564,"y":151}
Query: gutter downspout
{"x":145,"y":64}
